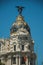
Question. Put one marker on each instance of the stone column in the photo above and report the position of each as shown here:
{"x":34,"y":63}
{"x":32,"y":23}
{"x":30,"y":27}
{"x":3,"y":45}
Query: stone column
{"x":26,"y":60}
{"x":29,"y":63}
{"x":11,"y":59}
{"x":19,"y":60}
{"x":7,"y":60}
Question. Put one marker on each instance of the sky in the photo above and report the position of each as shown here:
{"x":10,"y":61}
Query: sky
{"x":33,"y":15}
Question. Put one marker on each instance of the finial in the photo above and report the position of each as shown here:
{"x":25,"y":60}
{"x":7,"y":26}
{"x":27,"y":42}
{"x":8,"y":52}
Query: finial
{"x":20,"y":8}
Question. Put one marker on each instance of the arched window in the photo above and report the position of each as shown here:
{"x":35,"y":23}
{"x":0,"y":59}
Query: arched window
{"x":22,"y":47}
{"x":14,"y":60}
{"x":14,"y":47}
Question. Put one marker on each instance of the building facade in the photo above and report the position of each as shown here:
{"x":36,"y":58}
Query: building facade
{"x":19,"y":48}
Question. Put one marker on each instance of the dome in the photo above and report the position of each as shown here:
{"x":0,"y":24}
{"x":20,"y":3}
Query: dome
{"x":20,"y":23}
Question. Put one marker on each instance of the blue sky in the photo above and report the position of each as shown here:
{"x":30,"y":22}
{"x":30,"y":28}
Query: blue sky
{"x":33,"y":15}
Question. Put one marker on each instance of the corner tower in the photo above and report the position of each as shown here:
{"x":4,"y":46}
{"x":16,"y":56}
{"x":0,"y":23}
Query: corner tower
{"x":20,"y":31}
{"x":19,"y":48}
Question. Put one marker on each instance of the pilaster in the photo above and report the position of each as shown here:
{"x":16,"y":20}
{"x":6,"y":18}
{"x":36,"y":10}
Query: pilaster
{"x":26,"y":60}
{"x":19,"y":60}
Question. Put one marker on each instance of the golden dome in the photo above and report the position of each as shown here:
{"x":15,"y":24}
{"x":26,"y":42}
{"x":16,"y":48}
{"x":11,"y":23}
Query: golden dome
{"x":20,"y":23}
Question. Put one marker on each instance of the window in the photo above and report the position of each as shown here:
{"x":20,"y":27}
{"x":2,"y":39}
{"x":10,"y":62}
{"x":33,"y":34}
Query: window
{"x":27,"y":27}
{"x":22,"y":60}
{"x":29,"y":47}
{"x":0,"y":46}
{"x":14,"y":47}
{"x":15,"y":28}
{"x":14,"y":60}
{"x":22,"y":47}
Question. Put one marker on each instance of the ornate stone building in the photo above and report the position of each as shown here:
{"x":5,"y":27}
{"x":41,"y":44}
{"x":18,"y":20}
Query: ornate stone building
{"x":19,"y":48}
